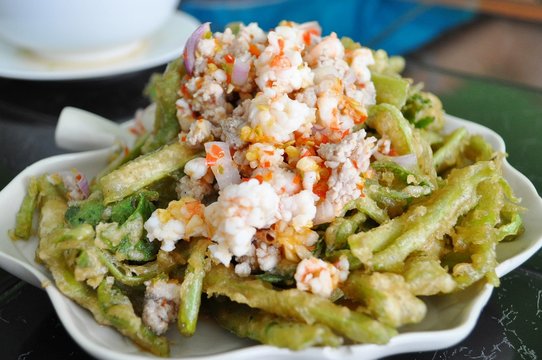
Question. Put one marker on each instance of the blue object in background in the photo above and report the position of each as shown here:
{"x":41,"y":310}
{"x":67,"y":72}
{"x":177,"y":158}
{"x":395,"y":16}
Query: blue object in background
{"x":397,"y":26}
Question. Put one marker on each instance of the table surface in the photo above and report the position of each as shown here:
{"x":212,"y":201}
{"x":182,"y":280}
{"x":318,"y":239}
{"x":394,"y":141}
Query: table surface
{"x":510,"y":326}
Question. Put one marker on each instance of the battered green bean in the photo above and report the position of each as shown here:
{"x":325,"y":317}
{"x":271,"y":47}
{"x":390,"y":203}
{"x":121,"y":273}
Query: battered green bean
{"x":448,"y":154}
{"x":392,"y":90}
{"x":425,"y":276}
{"x":369,"y":207}
{"x":296,"y":304}
{"x":145,"y":170}
{"x":118,"y":310}
{"x":386,"y":296}
{"x":394,"y":241}
{"x":337,"y":233}
{"x":191,"y":287}
{"x":23,"y":220}
{"x":124,"y":273}
{"x":166,"y":125}
{"x":269,"y":329}
{"x":477,"y":234}
{"x":442,"y":209}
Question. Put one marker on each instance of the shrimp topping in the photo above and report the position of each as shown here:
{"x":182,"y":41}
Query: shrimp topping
{"x":240,"y":210}
{"x":182,"y":219}
{"x":276,"y":115}
{"x":317,"y":276}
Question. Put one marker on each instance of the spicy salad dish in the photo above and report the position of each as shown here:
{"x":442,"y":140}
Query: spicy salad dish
{"x":294,"y":188}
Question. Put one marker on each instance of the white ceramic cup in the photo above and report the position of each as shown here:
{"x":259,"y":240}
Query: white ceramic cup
{"x":75,"y":30}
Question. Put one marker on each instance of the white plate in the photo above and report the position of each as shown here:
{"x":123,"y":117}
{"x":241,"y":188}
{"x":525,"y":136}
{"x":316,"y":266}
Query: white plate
{"x":449,"y":319}
{"x":164,"y":45}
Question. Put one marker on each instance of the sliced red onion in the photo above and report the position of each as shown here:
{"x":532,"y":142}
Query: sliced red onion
{"x":224,"y":170}
{"x":76,"y":184}
{"x":408,"y":161}
{"x":240,"y":72}
{"x":82,"y":184}
{"x":189,"y":53}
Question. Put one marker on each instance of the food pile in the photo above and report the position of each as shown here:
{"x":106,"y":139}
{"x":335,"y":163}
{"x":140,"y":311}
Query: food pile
{"x":294,"y":178}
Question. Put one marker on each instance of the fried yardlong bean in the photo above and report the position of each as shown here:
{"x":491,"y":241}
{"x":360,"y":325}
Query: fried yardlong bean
{"x":166,"y":125}
{"x":54,"y":240}
{"x":269,"y":329}
{"x":478,"y":234}
{"x":390,"y":89}
{"x":386,"y":296}
{"x":388,"y":121}
{"x":145,"y":170}
{"x":369,"y":207}
{"x":395,"y":240}
{"x":23,"y":220}
{"x":442,"y":209}
{"x":52,"y":206}
{"x":191,"y":287}
{"x":337,"y":233}
{"x":120,"y":274}
{"x":448,"y":154}
{"x":296,"y":304}
{"x":118,"y":310}
{"x":425,"y":276}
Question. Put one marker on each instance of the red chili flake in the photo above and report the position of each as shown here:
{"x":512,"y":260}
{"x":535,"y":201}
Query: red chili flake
{"x":253,"y":49}
{"x":281,"y":44}
{"x":229,"y":58}
{"x":360,"y":120}
{"x":307,"y":36}
{"x":185,"y":91}
{"x":325,"y":139}
{"x":259,"y":178}
{"x":214,"y":154}
{"x":308,"y":151}
{"x":320,"y":189}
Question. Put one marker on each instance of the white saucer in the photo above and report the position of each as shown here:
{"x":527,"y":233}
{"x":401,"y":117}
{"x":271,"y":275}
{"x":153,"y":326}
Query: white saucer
{"x":164,"y":45}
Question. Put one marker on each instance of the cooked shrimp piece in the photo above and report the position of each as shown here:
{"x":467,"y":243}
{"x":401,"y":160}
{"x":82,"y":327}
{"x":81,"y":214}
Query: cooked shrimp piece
{"x":299,"y":209}
{"x":317,"y":276}
{"x":274,"y":119}
{"x":280,"y":67}
{"x":360,"y":59}
{"x":182,"y":219}
{"x":329,"y":48}
{"x":281,"y":179}
{"x":236,"y":215}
